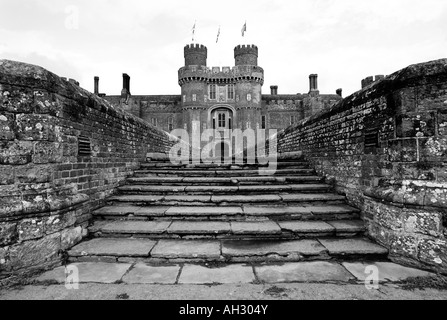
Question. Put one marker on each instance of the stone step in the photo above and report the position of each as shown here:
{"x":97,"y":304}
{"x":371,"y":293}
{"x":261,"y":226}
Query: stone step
{"x":254,"y":180}
{"x":229,"y":251}
{"x":230,"y":213}
{"x":202,"y":166}
{"x":227,"y":230}
{"x":229,"y":200}
{"x":253,"y":189}
{"x":223,"y":173}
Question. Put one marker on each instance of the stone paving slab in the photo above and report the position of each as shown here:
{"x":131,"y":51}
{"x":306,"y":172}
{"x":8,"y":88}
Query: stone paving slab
{"x":114,"y":247}
{"x":116,"y":210}
{"x":171,"y":249}
{"x":187,"y":198}
{"x":305,"y":187}
{"x":98,"y":272}
{"x":199,"y":227}
{"x":341,"y":208}
{"x":246,"y":199}
{"x":151,"y":211}
{"x":307,"y":226}
{"x":194,"y":274}
{"x":348,"y":225}
{"x":142,"y":273}
{"x":150,"y":188}
{"x":388,"y":271}
{"x":136,"y":198}
{"x":263,"y":248}
{"x":206,"y":211}
{"x":311,"y":197}
{"x":265,"y":188}
{"x":317,"y":271}
{"x":262,"y":227}
{"x":149,"y":227}
{"x":222,"y":189}
{"x":352,"y":246}
{"x":260,"y":210}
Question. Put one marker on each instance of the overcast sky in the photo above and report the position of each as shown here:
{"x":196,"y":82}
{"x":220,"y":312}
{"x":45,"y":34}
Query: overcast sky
{"x":343,"y":41}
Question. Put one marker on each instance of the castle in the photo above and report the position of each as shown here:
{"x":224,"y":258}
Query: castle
{"x":222,"y":98}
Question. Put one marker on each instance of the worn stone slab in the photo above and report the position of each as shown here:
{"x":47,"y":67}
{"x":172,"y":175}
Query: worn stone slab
{"x":262,"y":227}
{"x":348,"y":226}
{"x":199,"y":227}
{"x":206,"y":180}
{"x":316,"y":271}
{"x":311,"y":197}
{"x":187,"y":198}
{"x":246,"y":199}
{"x":275,"y":210}
{"x":262,"y":248}
{"x":307,"y":226}
{"x":221,"y":189}
{"x":205,"y":211}
{"x":265,"y":188}
{"x":388,"y":271}
{"x":194,"y":274}
{"x":142,"y":273}
{"x":341,"y":208}
{"x":352,"y":246}
{"x":151,"y":188}
{"x":149,"y":227}
{"x":114,"y":247}
{"x":171,"y":249}
{"x":97,"y":272}
{"x":137,"y":198}
{"x":151,"y":211}
{"x":116,"y":210}
{"x":155,"y":180}
{"x":309,"y":187}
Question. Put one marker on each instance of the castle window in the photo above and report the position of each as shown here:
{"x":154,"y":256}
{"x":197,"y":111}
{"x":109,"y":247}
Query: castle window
{"x":184,"y":98}
{"x":212,"y":92}
{"x":221,"y":120}
{"x":194,"y":97}
{"x":231,"y":92}
{"x":249,"y":97}
{"x":263,"y":122}
{"x":293,"y":120}
{"x":170,"y":124}
{"x":154,"y":122}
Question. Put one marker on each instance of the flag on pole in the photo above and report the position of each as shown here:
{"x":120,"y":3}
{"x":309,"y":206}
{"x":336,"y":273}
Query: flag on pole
{"x":194,"y":30}
{"x":244,"y":28}
{"x":218,"y":34}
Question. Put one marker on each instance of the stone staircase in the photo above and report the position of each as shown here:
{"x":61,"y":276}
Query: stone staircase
{"x":226,"y":213}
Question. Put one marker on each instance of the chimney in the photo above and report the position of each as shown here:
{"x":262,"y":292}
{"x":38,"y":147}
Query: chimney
{"x":340,"y":92}
{"x":313,"y":80}
{"x":126,"y":85}
{"x":97,"y":85}
{"x":274,"y":90}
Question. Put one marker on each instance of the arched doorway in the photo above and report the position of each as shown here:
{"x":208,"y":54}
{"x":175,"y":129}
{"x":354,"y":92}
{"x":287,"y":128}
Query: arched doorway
{"x":222,"y":120}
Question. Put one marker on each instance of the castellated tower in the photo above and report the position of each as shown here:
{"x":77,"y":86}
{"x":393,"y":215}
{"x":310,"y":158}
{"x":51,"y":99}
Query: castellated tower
{"x":249,"y":80}
{"x":193,"y":81}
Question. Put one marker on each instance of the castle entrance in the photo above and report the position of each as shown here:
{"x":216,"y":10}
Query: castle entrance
{"x":222,"y":123}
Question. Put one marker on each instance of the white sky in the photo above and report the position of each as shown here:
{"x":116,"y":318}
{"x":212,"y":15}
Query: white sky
{"x":343,"y":41}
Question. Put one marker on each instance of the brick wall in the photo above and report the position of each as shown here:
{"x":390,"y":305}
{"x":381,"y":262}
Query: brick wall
{"x":47,"y":190}
{"x":385,"y":147}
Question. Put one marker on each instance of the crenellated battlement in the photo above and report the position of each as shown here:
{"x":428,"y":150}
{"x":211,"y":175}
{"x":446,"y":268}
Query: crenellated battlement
{"x":196,"y":54}
{"x":218,"y":74}
{"x":246,"y":49}
{"x":246,"y":55}
{"x":195,"y":48}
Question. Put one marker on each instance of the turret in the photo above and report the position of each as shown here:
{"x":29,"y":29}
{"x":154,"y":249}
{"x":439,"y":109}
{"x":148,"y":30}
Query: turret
{"x":195,"y":55}
{"x":246,"y":55}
